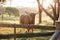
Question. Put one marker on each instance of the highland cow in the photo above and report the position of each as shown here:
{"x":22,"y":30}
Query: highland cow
{"x":28,"y":19}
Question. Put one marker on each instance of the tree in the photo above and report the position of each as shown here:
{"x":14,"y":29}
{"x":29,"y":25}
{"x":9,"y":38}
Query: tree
{"x":56,"y":13}
{"x":12,"y":11}
{"x":2,"y":1}
{"x":2,"y":8}
{"x":55,"y":10}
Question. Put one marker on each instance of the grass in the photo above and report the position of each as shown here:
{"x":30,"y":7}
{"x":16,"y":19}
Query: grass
{"x":35,"y":38}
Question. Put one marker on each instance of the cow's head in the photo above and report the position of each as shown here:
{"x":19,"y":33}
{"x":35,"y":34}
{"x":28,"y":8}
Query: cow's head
{"x":32,"y":14}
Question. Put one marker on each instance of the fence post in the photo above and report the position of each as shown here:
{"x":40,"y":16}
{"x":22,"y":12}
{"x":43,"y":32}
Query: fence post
{"x":57,"y":33}
{"x":14,"y":32}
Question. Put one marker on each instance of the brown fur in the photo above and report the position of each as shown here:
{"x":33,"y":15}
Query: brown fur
{"x":28,"y":19}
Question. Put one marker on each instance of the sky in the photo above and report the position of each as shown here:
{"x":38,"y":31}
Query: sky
{"x":26,"y":3}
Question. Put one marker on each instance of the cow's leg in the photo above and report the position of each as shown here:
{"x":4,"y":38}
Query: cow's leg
{"x":27,"y":30}
{"x":31,"y":30}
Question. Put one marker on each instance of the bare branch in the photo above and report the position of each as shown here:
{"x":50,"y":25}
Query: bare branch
{"x":47,"y":12}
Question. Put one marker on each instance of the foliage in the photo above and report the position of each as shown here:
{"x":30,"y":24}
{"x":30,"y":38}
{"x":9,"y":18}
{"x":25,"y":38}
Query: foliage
{"x":2,"y":0}
{"x":12,"y":11}
{"x":1,"y":9}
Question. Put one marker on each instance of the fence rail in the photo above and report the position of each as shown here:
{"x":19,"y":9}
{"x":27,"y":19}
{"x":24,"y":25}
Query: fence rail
{"x":41,"y":34}
{"x":26,"y":35}
{"x":29,"y":25}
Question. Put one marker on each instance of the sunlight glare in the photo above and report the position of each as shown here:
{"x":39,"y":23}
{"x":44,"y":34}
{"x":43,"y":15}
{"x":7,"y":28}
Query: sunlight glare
{"x":46,"y":3}
{"x":27,"y":3}
{"x":24,"y":3}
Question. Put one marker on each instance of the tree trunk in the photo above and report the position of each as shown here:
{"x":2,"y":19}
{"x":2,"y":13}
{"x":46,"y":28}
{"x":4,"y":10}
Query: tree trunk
{"x":56,"y":12}
{"x":40,"y":12}
{"x":2,"y":16}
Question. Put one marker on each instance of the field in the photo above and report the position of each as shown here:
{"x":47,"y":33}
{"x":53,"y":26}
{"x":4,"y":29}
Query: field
{"x":15,"y":20}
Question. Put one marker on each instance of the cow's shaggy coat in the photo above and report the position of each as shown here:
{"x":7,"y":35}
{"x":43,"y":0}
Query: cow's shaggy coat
{"x":28,"y":19}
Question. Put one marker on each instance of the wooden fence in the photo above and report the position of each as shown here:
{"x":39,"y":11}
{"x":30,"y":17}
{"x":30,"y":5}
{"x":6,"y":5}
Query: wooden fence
{"x":40,"y":34}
